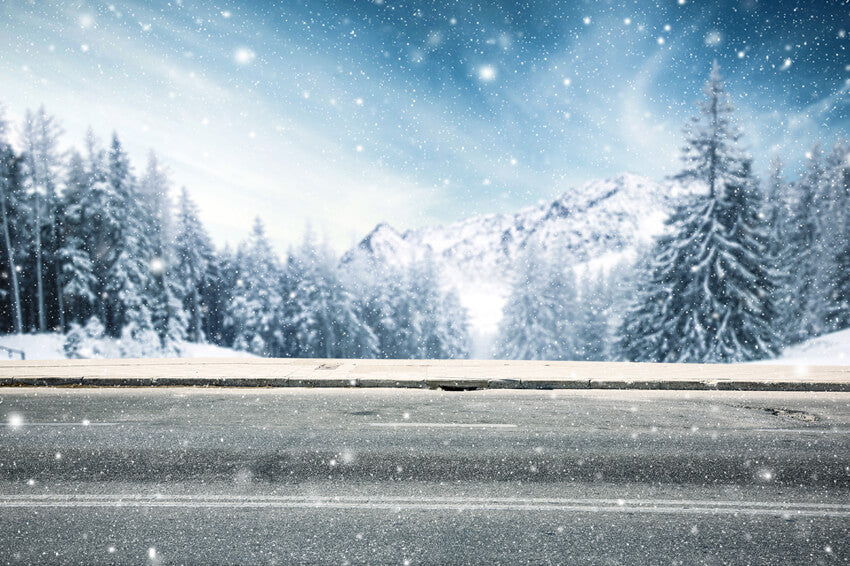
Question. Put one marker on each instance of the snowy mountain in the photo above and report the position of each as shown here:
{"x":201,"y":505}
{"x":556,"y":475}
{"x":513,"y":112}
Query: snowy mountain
{"x":596,"y":224}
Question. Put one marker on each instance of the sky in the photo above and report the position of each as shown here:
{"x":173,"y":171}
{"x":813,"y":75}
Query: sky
{"x":340,"y":115}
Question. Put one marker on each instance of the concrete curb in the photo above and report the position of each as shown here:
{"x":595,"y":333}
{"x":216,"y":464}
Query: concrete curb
{"x":457,"y":384}
{"x":448,"y":375}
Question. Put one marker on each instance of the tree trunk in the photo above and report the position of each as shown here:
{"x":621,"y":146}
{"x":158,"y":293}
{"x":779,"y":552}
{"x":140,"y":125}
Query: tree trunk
{"x":42,"y":319}
{"x":57,"y":268}
{"x":196,"y":315}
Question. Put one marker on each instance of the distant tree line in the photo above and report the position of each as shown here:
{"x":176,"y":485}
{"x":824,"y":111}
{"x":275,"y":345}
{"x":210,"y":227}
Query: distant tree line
{"x":742,"y":270}
{"x":93,"y":250}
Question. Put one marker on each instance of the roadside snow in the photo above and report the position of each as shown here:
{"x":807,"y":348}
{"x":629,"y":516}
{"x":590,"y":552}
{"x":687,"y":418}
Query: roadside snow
{"x":49,"y":347}
{"x":830,"y":349}
{"x":35,"y":346}
{"x":191,"y":350}
{"x":827,"y":350}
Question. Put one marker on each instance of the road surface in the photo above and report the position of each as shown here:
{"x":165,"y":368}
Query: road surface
{"x":348,"y":476}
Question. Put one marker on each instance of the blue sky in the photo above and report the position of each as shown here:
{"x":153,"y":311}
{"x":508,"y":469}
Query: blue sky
{"x":344,"y":114}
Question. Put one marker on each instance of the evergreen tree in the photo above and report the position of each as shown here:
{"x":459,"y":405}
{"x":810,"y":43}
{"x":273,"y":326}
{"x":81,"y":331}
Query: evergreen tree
{"x":42,"y":163}
{"x":79,"y":283}
{"x":9,"y":203}
{"x":128,"y":276}
{"x":541,"y":318}
{"x":431,"y":322}
{"x":806,"y":314}
{"x":94,"y":217}
{"x":711,"y":154}
{"x":777,"y":218}
{"x":379,"y":291}
{"x":592,"y":327}
{"x":838,"y":189}
{"x":217,"y":297}
{"x":322,"y":317}
{"x":408,"y":312}
{"x":254,"y":314}
{"x":163,"y":296}
{"x":194,"y":258}
{"x":708,"y":295}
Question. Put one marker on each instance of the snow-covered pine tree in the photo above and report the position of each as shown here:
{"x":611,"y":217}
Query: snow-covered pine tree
{"x":838,"y":235}
{"x":128,"y":277}
{"x":139,"y":338}
{"x":86,"y":342}
{"x":378,"y":291}
{"x":453,"y":327}
{"x":194,"y":257}
{"x":10,"y":197}
{"x":254,"y":314}
{"x":541,"y":317}
{"x":79,"y":282}
{"x":805,"y":316}
{"x":94,"y":215}
{"x":322,"y":319}
{"x":711,"y":153}
{"x":217,"y":296}
{"x":777,"y":218}
{"x":163,"y":296}
{"x":596,"y":297}
{"x":42,"y":169}
{"x":431,"y":322}
{"x":708,"y":294}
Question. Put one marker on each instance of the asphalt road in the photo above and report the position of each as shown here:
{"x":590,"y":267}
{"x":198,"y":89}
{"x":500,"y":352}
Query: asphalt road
{"x":336,"y":476}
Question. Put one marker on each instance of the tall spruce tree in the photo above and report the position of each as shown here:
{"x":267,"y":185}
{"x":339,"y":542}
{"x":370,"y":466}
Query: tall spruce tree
{"x":78,"y":283}
{"x":708,"y":295}
{"x":777,"y":218}
{"x":805,"y":316}
{"x":194,"y":261}
{"x":254,"y":314}
{"x":129,"y":275}
{"x":838,"y":234}
{"x":163,"y":296}
{"x":98,"y":212}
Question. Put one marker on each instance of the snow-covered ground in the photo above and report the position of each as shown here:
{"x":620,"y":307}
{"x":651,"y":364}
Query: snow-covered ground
{"x":49,"y":347}
{"x":830,"y":349}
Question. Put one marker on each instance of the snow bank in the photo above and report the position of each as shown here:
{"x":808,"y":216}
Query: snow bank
{"x":49,"y":347}
{"x":830,"y":349}
{"x":826,"y":350}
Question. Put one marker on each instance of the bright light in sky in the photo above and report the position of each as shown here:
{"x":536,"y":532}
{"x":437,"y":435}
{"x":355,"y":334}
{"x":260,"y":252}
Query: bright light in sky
{"x":487,"y":73}
{"x":244,"y":56}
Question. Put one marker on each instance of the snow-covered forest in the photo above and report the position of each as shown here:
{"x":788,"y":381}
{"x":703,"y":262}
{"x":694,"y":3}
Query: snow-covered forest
{"x":95,"y":247}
